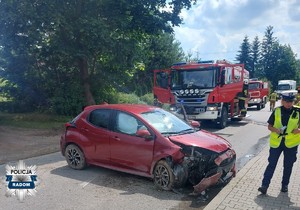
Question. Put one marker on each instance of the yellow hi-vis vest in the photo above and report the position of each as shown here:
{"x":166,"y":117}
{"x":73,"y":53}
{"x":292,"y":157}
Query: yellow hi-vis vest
{"x":273,"y":96}
{"x":291,"y":140}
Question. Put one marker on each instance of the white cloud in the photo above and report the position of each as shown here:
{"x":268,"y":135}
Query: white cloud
{"x":215,"y":29}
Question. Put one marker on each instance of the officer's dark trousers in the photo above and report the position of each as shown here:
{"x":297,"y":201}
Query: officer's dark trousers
{"x":290,"y":156}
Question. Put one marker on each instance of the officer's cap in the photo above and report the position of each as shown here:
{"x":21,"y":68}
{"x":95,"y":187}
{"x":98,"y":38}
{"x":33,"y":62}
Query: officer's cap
{"x":289,"y":96}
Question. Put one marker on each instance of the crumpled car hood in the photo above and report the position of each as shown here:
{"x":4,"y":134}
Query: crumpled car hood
{"x":203,"y":139}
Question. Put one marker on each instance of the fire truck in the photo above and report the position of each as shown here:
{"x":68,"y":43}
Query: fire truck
{"x":204,"y":90}
{"x":258,"y":93}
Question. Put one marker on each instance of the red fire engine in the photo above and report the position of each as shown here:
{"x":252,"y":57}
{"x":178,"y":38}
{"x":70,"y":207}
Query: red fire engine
{"x":258,"y":93}
{"x":207,"y":90}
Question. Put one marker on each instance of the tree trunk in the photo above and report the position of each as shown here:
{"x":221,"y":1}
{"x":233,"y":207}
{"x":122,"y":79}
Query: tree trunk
{"x":84,"y":76}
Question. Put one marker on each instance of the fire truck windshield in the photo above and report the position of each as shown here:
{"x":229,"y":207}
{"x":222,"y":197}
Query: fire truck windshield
{"x":253,"y":86}
{"x":194,"y":78}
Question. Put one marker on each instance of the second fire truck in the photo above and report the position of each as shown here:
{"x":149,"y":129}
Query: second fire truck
{"x":258,"y":93}
{"x":204,"y":90}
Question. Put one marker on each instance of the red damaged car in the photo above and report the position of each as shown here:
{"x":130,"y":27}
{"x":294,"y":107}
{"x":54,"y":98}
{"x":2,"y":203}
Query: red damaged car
{"x":147,"y":141}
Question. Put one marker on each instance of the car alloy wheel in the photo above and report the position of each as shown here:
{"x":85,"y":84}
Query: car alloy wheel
{"x":163,"y":176}
{"x":75,"y":157}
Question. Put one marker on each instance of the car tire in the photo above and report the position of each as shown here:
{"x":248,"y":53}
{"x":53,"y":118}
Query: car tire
{"x":163,"y":176}
{"x":223,"y":120}
{"x":75,"y":157}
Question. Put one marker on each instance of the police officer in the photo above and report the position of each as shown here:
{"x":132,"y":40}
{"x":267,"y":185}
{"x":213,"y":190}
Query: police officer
{"x":284,"y":137}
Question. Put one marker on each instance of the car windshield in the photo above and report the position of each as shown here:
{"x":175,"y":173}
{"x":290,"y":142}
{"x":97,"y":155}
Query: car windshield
{"x":167,"y":123}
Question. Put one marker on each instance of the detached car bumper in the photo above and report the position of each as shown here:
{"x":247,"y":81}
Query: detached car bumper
{"x":225,"y":171}
{"x":203,"y":168}
{"x":213,"y":180}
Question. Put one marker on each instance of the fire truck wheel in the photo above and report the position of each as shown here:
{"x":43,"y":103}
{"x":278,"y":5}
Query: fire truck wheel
{"x":259,"y":106}
{"x":222,"y":121}
{"x":264,"y":103}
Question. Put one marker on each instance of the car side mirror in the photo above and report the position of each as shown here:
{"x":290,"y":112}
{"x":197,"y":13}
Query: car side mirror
{"x":194,"y":124}
{"x":144,"y":134}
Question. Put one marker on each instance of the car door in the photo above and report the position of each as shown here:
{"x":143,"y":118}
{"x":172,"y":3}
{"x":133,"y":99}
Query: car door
{"x":127,"y":149}
{"x":97,"y":132}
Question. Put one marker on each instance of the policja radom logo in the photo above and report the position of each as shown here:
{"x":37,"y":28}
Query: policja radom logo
{"x":21,"y":180}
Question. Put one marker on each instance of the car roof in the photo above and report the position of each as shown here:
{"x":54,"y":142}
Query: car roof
{"x":133,"y":108}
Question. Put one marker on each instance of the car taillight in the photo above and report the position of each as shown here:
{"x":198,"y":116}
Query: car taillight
{"x":68,"y":124}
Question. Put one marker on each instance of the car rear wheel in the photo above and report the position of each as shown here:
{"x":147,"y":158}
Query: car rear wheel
{"x":75,"y":157}
{"x":163,"y":176}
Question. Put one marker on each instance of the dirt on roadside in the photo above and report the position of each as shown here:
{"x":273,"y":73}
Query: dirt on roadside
{"x":21,"y":143}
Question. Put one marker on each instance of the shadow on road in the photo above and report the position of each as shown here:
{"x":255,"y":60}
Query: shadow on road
{"x":285,"y":201}
{"x":131,"y":184}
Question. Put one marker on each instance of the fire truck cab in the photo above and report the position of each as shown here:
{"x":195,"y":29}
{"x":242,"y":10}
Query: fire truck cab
{"x":207,"y":90}
{"x":258,"y":93}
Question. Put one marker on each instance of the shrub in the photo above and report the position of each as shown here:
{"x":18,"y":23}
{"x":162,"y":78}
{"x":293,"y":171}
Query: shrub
{"x":148,"y":98}
{"x":131,"y":98}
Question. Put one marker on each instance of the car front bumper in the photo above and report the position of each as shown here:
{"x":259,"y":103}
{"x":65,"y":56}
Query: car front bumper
{"x":225,"y":172}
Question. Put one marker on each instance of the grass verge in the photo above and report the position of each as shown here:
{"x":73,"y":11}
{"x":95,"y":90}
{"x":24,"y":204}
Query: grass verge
{"x":33,"y":120}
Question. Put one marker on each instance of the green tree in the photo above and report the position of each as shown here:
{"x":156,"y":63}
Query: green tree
{"x":298,"y":71}
{"x":269,"y":60}
{"x":278,"y":62}
{"x":158,"y":52}
{"x":255,"y":53}
{"x":52,"y":50}
{"x":268,"y":56}
{"x":244,"y":55}
{"x":286,"y":65}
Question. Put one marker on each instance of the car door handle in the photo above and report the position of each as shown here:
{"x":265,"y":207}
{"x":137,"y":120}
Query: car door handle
{"x":117,"y":138}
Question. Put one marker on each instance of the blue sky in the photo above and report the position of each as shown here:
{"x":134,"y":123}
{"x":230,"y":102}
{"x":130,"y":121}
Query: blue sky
{"x":215,"y":29}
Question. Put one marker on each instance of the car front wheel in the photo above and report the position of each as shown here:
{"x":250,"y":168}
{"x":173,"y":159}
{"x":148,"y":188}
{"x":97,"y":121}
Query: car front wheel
{"x":75,"y":157}
{"x":163,"y":176}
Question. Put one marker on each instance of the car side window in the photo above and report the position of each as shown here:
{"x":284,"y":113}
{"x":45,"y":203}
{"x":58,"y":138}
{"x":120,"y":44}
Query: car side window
{"x":128,"y":124}
{"x":100,"y":118}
